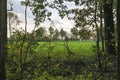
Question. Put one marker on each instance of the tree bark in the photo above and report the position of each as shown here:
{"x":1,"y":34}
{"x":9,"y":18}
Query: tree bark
{"x":109,"y":27}
{"x":118,"y":39}
{"x":3,"y":38}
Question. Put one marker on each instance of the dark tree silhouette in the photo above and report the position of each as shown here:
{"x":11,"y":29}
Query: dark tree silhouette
{"x":3,"y":37}
{"x":118,"y":40}
{"x":109,"y":27}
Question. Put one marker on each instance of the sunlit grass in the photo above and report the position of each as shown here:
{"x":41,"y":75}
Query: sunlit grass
{"x":58,"y":47}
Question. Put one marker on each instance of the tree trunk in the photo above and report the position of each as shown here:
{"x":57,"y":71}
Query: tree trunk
{"x":118,"y":39}
{"x":9,"y":26}
{"x":98,"y":40}
{"x":101,"y":28}
{"x":3,"y":38}
{"x":109,"y":27}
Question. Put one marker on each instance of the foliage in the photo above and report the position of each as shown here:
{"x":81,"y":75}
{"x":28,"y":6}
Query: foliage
{"x":39,"y":10}
{"x":62,"y":33}
{"x":56,"y":35}
{"x":13,"y":18}
{"x":40,"y":33}
{"x":75,"y":32}
{"x":77,"y":67}
{"x":51,"y":60}
{"x":13,"y":22}
{"x":51,"y":31}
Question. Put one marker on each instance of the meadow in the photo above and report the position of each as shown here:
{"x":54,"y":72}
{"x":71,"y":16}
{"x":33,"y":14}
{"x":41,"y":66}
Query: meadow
{"x":85,"y":48}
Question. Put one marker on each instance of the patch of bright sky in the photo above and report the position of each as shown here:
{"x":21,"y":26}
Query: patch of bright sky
{"x":58,"y":22}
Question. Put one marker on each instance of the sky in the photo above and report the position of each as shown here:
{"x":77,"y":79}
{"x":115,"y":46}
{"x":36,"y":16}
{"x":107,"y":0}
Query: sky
{"x":58,"y":22}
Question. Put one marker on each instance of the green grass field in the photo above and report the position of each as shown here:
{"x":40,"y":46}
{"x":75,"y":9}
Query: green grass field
{"x":56,"y":48}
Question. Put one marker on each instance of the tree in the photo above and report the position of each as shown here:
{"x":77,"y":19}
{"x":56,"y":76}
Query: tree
{"x":98,"y":39}
{"x":101,"y":25}
{"x":118,"y":40}
{"x":75,"y":32}
{"x":40,"y":33}
{"x":62,"y":33}
{"x":109,"y":27}
{"x":39,"y":10}
{"x":12,"y":21}
{"x":84,"y":34}
{"x":51,"y":31}
{"x":3,"y":38}
{"x":56,"y":35}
